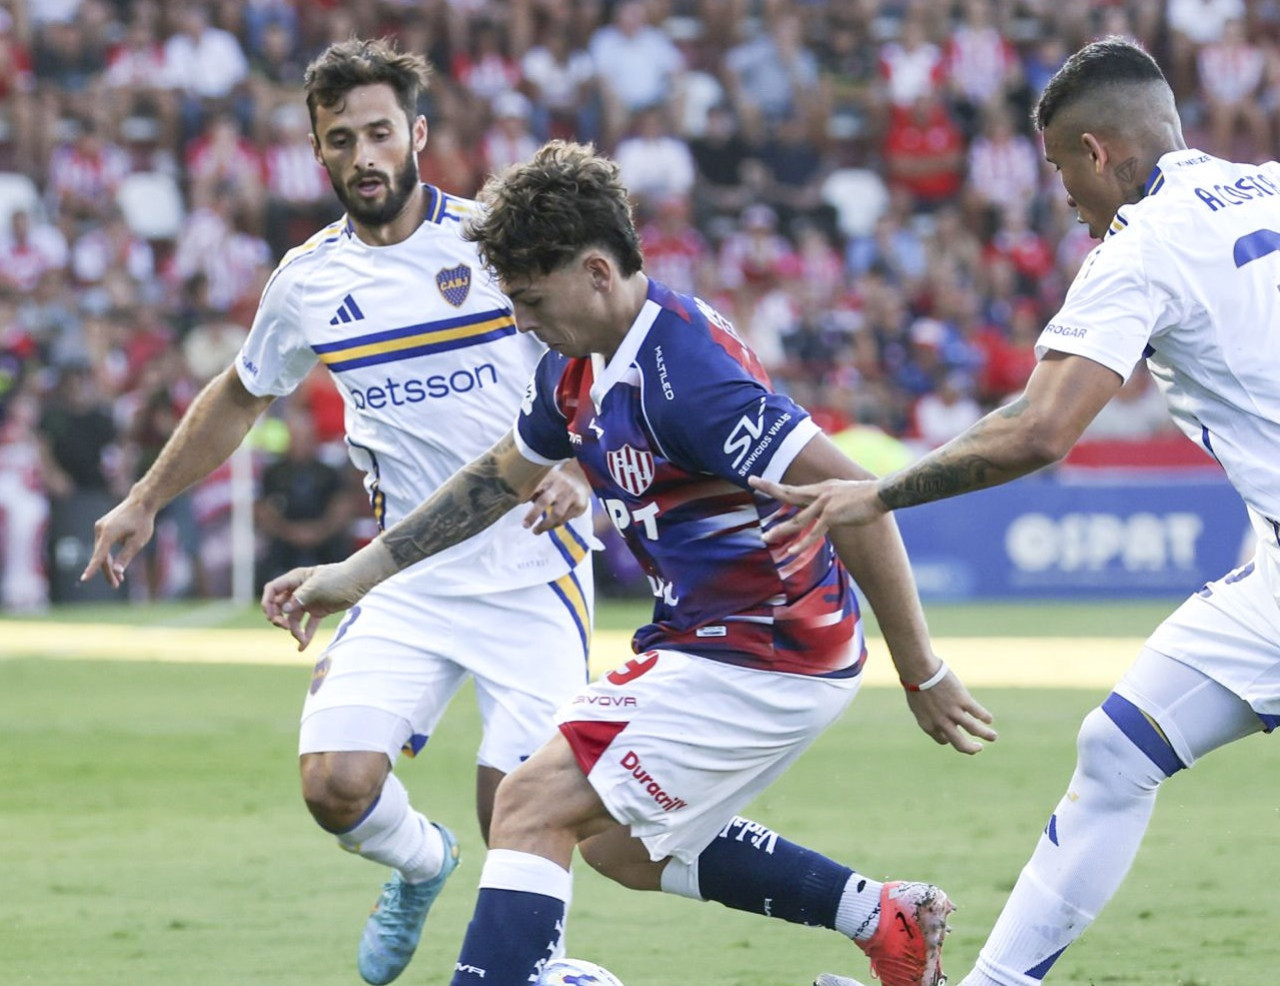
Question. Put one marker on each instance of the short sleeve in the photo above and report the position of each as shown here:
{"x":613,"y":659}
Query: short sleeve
{"x":1112,"y":308}
{"x":542,"y":432}
{"x":713,"y":416}
{"x":275,"y":357}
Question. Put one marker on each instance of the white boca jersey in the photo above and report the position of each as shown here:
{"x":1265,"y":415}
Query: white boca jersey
{"x":1189,"y":277}
{"x":424,"y":349}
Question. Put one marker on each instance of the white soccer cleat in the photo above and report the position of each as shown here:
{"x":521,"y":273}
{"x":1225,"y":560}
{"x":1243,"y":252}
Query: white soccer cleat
{"x":831,"y":979}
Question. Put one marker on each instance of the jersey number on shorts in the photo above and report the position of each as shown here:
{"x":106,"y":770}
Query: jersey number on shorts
{"x":633,"y":669}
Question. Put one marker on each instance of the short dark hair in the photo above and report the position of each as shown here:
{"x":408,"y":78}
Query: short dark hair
{"x":345,"y":65}
{"x":1111,"y":61}
{"x":541,"y":214}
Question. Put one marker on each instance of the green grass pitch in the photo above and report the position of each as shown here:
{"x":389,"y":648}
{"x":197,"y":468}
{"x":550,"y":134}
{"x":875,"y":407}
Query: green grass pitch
{"x":153,"y":834}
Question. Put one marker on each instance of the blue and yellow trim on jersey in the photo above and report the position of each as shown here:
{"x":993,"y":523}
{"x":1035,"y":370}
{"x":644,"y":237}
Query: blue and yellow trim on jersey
{"x":424,"y":339}
{"x":377,"y":498}
{"x":568,"y":587}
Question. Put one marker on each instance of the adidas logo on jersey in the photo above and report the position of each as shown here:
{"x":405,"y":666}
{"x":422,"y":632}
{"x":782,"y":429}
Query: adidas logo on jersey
{"x":348,"y":311}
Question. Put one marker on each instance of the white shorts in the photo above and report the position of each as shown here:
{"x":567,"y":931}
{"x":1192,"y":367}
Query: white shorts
{"x":1230,"y":632}
{"x":398,"y":658}
{"x":676,"y":745}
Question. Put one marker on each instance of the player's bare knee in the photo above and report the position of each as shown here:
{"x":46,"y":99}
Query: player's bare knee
{"x":339,"y":788}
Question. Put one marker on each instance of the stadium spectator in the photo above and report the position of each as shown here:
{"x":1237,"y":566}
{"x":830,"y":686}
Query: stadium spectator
{"x":796,"y":169}
{"x":924,"y":152}
{"x":945,"y":411}
{"x":508,"y":139}
{"x":911,"y":66}
{"x":207,"y":65}
{"x":485,"y":70}
{"x":112,"y":247}
{"x":85,"y":172}
{"x":720,"y":156}
{"x":224,"y":162}
{"x":68,"y":59}
{"x":299,"y":199}
{"x":560,"y":80}
{"x":1004,"y":165}
{"x":638,"y":66}
{"x":982,"y":67}
{"x":774,"y":77}
{"x":657,"y":164}
{"x":17,"y":84}
{"x":29,"y":250}
{"x":1193,"y":24}
{"x":24,"y":507}
{"x":1232,"y":70}
{"x":304,"y":505}
{"x":448,"y":162}
{"x":138,"y":81}
{"x":674,"y":251}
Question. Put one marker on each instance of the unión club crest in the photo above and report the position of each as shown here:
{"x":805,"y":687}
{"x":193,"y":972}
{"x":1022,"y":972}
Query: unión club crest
{"x":455,"y":284}
{"x":632,"y":469}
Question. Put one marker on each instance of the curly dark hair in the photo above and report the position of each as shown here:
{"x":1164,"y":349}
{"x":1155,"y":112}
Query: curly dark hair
{"x":1109,"y":62}
{"x":345,"y":65}
{"x":540,"y":215}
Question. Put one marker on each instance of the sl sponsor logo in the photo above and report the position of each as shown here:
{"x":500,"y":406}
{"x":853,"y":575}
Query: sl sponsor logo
{"x":631,"y":468}
{"x":668,"y":802}
{"x":455,"y":284}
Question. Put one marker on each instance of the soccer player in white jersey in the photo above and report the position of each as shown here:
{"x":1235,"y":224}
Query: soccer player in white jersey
{"x":1186,"y":277}
{"x":424,"y":349}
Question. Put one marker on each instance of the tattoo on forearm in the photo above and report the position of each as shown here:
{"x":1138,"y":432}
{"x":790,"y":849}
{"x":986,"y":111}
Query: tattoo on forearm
{"x":953,"y":469}
{"x":937,"y":481}
{"x":465,"y":505}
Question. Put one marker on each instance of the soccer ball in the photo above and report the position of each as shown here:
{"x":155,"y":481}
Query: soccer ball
{"x":576,"y":972}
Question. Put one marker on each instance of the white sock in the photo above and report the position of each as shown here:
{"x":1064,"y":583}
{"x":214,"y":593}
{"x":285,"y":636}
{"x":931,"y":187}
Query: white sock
{"x":858,"y":915}
{"x":1080,"y":861}
{"x":393,"y":834}
{"x":681,"y":879}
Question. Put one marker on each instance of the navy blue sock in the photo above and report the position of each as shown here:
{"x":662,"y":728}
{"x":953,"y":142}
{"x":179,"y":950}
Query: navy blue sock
{"x":512,"y":933}
{"x":751,"y":868}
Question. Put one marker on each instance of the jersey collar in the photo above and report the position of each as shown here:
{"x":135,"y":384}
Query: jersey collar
{"x":607,"y":374}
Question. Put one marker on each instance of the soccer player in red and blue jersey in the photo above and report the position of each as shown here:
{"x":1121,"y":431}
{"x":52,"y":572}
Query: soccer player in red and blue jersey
{"x":754,"y":648}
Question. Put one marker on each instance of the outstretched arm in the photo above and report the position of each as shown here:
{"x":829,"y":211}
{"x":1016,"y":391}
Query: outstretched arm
{"x":877,"y":560}
{"x":213,"y":427}
{"x":470,"y":501}
{"x":1063,"y":395}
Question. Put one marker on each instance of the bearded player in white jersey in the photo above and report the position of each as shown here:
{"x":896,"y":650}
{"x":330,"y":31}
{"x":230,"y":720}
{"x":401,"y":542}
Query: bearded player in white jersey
{"x":424,"y":349}
{"x":1186,"y":277}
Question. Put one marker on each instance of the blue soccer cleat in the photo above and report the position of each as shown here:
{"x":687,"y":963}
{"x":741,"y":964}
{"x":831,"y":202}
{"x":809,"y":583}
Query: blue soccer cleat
{"x":391,"y":934}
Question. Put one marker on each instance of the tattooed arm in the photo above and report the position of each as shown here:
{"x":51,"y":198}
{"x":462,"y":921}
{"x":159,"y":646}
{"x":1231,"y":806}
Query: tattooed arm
{"x":470,"y":501}
{"x":476,"y":496}
{"x":1064,"y":394}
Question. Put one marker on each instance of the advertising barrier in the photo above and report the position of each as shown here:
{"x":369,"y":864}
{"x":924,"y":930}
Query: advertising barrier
{"x":1077,"y":535}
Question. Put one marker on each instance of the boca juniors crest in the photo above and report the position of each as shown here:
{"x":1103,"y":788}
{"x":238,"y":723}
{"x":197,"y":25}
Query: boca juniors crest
{"x":455,"y":284}
{"x":632,"y":469}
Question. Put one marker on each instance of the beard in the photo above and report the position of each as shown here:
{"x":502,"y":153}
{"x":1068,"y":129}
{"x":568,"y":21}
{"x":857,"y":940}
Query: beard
{"x":398,"y":191}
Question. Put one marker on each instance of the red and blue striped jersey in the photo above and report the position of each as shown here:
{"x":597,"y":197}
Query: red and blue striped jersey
{"x":668,"y":433}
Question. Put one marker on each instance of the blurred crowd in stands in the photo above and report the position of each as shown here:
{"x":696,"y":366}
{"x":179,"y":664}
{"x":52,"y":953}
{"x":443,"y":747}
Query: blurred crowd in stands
{"x":855,"y":183}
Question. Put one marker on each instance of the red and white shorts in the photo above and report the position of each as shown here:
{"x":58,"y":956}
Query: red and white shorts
{"x":676,"y":745}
